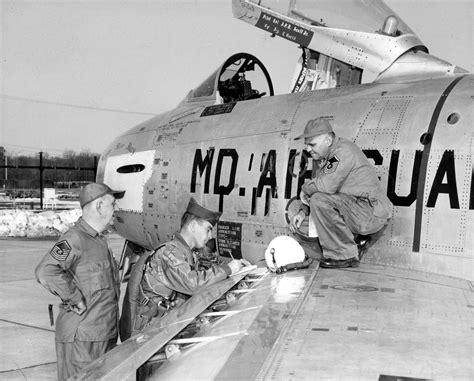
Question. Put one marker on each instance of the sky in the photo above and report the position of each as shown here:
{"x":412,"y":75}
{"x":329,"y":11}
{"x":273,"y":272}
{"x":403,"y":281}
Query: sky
{"x":75,"y":74}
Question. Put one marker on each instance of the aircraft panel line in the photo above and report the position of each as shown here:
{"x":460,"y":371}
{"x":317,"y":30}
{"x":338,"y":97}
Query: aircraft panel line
{"x":424,"y":163}
{"x":467,"y":288}
{"x":270,"y":360}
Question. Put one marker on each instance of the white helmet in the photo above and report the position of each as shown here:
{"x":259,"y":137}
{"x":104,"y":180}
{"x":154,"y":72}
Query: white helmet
{"x":282,"y":251}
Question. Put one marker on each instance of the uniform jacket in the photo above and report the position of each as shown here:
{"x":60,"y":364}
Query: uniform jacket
{"x":170,"y":272}
{"x":81,"y":266}
{"x":173,"y":267}
{"x":347,"y":170}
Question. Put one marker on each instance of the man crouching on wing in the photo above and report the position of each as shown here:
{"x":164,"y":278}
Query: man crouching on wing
{"x":166,"y":277}
{"x":344,"y":196}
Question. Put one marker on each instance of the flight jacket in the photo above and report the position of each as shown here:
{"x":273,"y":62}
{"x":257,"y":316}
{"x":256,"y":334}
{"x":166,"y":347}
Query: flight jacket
{"x":173,"y":267}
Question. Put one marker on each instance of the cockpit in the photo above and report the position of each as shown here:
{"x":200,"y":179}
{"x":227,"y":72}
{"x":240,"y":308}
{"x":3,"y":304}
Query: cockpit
{"x":241,"y":77}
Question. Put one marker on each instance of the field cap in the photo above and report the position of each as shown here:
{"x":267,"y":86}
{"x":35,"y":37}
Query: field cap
{"x":203,"y":213}
{"x":315,"y":127}
{"x":93,"y":191}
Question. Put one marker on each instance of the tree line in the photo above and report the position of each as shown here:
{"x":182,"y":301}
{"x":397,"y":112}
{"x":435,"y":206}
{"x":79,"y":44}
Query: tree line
{"x":29,"y":178}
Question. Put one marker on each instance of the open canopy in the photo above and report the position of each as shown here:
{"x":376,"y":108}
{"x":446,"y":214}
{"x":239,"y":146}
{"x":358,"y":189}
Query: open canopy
{"x":367,"y":16}
{"x":241,"y":77}
{"x":365,"y":34}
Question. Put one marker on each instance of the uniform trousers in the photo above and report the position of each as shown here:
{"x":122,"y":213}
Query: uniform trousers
{"x":339,"y":218}
{"x":75,"y":355}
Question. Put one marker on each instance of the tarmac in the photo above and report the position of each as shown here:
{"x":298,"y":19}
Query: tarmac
{"x":27,"y":350}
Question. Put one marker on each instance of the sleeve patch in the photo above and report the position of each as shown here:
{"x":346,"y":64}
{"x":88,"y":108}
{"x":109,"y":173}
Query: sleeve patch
{"x":171,"y":258}
{"x":60,"y":251}
{"x":331,"y":165}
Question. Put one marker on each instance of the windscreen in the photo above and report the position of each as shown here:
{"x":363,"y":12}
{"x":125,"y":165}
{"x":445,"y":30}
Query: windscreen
{"x":206,"y":88}
{"x":241,"y":77}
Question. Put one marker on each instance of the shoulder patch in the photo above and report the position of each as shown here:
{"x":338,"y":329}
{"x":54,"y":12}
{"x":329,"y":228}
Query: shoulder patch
{"x":60,"y":251}
{"x":171,"y":257}
{"x":173,"y":254}
{"x":331,"y":165}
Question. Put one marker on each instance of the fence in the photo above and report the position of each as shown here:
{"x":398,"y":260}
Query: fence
{"x":42,"y":167}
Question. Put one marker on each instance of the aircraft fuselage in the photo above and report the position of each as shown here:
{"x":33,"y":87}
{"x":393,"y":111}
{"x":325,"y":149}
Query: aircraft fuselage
{"x":241,"y":158}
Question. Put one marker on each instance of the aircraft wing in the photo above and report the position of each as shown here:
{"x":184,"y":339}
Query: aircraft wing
{"x":326,"y":324}
{"x":360,"y":324}
{"x":121,"y":362}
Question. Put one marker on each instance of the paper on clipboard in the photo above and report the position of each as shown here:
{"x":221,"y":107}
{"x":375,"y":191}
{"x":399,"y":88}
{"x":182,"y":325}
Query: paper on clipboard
{"x":245,"y":269}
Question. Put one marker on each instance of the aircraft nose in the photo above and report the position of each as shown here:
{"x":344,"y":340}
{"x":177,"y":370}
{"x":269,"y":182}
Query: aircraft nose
{"x":129,"y":173}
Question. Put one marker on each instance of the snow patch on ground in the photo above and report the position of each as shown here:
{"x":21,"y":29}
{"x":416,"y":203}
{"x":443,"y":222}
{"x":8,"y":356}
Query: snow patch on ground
{"x":26,"y":223}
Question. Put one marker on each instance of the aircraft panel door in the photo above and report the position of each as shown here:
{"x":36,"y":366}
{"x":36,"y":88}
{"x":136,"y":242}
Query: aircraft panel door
{"x":448,"y":185}
{"x":160,"y":212}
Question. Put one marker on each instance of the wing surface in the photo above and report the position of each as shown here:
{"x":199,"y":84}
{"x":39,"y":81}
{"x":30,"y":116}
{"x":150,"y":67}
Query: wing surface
{"x":372,"y":322}
{"x":122,"y":361}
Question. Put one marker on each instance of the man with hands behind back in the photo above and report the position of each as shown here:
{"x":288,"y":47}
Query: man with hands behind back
{"x":81,"y":271}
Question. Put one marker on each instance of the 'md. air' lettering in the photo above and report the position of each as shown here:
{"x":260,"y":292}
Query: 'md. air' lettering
{"x":234,"y":158}
{"x":267,"y":175}
{"x":303,"y":171}
{"x":225,"y":176}
{"x":224,"y":190}
{"x":203,"y":165}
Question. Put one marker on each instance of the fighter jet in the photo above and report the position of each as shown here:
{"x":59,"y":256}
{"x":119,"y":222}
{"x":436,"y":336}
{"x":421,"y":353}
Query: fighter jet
{"x":406,"y":312}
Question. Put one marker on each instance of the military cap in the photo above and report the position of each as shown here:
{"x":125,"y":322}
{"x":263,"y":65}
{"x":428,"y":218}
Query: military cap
{"x":203,"y":213}
{"x":93,"y":191}
{"x":315,"y":127}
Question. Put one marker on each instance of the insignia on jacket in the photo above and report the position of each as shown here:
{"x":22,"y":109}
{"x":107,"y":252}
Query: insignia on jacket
{"x":60,"y":251}
{"x":331,"y":165}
